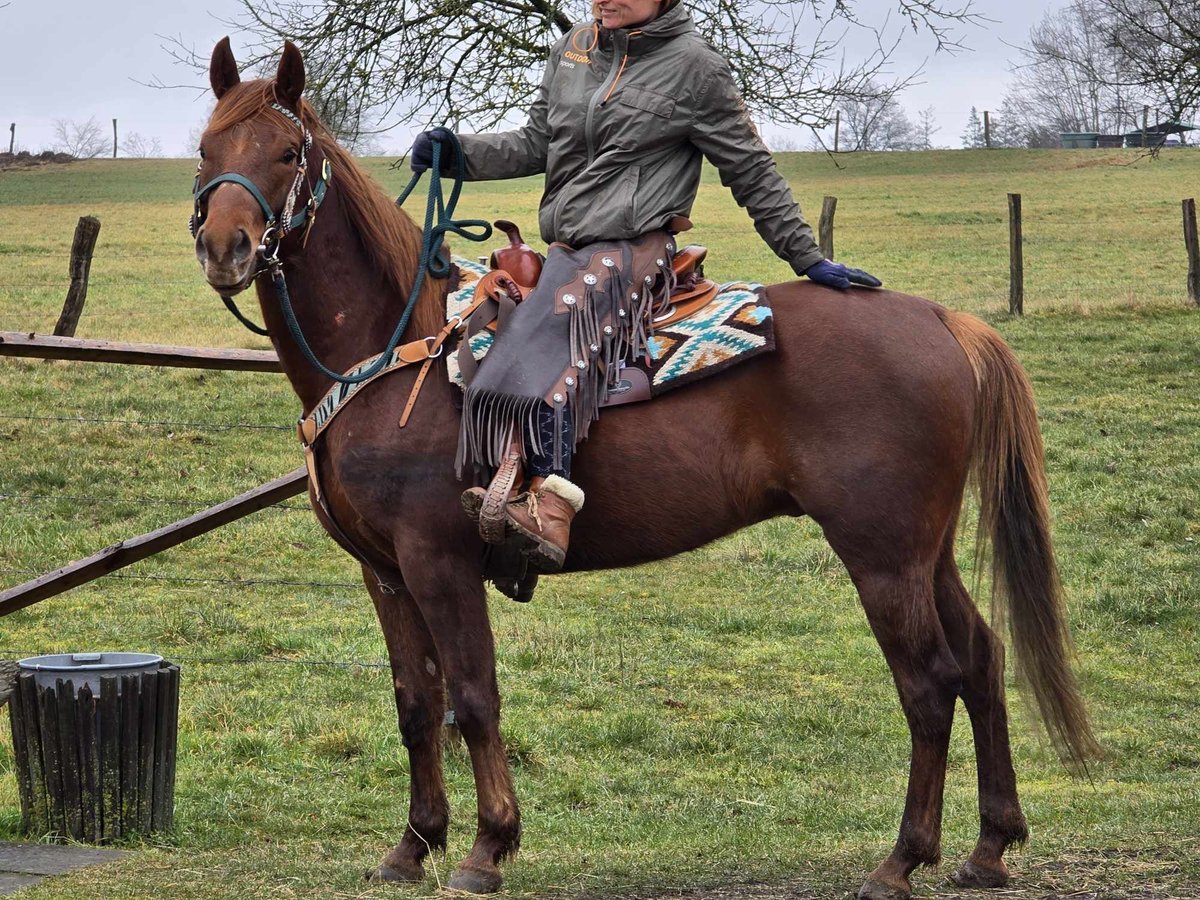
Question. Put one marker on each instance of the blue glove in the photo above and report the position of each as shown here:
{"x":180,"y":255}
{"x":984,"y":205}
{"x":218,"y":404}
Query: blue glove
{"x":422,"y":149}
{"x":835,"y":275}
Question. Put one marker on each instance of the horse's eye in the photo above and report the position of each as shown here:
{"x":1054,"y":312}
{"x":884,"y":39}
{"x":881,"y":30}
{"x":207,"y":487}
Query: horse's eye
{"x":202,"y":156}
{"x":290,"y":155}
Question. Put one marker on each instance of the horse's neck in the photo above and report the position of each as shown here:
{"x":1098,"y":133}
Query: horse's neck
{"x":341,"y":302}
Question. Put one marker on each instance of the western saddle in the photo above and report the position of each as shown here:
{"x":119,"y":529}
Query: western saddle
{"x":692,"y":290}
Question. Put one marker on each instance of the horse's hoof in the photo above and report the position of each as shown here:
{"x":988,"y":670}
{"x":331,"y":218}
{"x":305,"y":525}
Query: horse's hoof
{"x":973,"y":875}
{"x":881,"y":890}
{"x":386,"y":874}
{"x":476,"y":881}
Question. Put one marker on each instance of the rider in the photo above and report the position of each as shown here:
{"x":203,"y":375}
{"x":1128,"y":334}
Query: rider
{"x":628,"y":105}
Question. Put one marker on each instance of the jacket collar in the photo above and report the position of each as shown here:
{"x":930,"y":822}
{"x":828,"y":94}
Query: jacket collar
{"x":676,"y":20}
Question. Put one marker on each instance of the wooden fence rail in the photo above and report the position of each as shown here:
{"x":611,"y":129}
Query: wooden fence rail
{"x":17,"y":343}
{"x":125,"y":553}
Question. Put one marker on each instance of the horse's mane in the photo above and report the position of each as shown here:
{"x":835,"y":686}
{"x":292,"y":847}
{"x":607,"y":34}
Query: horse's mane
{"x":390,"y":238}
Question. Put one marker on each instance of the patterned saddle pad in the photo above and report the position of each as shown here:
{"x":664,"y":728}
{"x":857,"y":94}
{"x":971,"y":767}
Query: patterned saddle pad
{"x":732,"y":328}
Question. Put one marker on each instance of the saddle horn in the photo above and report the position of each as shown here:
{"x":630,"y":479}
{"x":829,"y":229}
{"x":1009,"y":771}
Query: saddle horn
{"x":518,"y":259}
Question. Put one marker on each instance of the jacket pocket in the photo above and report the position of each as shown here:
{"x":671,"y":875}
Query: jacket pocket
{"x":649,"y":101}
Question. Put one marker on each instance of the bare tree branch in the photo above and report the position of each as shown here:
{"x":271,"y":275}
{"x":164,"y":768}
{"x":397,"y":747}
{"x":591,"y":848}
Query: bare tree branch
{"x":374,"y":64}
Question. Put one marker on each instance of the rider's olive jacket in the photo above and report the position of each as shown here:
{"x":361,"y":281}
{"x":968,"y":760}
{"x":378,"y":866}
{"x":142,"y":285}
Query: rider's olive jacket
{"x":619,"y":126}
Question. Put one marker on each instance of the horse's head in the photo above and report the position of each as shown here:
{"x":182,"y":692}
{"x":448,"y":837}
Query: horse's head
{"x":252,"y":184}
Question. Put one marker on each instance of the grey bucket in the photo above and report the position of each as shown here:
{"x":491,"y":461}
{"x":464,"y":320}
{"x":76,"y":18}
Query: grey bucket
{"x":87,"y":668}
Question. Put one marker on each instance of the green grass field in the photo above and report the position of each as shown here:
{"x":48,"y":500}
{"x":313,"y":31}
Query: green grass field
{"x":717,"y":718}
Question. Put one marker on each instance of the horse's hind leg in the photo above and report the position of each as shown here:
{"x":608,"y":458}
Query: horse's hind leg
{"x":980,"y":655}
{"x":420,"y":705}
{"x":899,"y":603}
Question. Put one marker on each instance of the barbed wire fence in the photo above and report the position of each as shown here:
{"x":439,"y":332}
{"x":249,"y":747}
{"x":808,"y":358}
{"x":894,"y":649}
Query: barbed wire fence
{"x":954,"y":223}
{"x":31,"y":503}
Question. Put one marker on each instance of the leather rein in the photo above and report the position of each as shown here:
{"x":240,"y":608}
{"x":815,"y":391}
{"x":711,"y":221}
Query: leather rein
{"x":394,"y":356}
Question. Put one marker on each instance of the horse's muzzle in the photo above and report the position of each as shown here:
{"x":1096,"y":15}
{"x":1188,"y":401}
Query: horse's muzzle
{"x":228,"y":260}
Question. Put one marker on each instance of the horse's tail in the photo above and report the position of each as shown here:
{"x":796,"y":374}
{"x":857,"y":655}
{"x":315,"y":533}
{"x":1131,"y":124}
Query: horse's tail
{"x":1014,"y":516}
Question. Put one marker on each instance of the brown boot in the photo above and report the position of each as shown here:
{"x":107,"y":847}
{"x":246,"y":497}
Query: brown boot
{"x":542,"y":517}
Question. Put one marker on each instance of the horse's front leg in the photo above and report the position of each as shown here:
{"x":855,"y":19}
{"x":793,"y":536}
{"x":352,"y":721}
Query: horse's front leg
{"x":451,"y":597}
{"x":420,"y":705}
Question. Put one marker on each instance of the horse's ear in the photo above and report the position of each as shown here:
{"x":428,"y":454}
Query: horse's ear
{"x":223,"y":71}
{"x":289,"y":80}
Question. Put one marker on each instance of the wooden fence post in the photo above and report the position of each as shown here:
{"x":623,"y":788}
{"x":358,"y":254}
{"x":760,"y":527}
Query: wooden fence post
{"x":987,"y":129}
{"x":114,"y":138}
{"x":86,"y":233}
{"x":12,"y":137}
{"x":825,"y":228}
{"x":1145,"y":126}
{"x":1192,"y":242}
{"x":1016,"y":258}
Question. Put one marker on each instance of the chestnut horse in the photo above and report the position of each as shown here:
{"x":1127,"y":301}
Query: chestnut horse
{"x":869,"y":417}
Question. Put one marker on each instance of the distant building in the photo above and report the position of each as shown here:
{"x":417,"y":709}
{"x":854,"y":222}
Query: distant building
{"x":1159,"y":134}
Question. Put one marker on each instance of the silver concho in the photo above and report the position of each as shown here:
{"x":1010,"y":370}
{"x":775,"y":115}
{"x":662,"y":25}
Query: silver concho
{"x":589,"y":278}
{"x":660,"y":262}
{"x":569,"y":299}
{"x":608,"y":329}
{"x":581,"y":365}
{"x":558,"y":398}
{"x":570,"y":381}
{"x":595,"y":348}
{"x":647,"y":279}
{"x":621,"y":313}
{"x":608,"y":261}
{"x":633,"y":296}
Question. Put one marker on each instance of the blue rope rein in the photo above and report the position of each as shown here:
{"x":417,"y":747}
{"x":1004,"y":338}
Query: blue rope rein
{"x":431,"y":259}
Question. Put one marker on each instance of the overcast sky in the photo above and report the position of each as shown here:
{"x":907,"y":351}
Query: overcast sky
{"x":76,"y":59}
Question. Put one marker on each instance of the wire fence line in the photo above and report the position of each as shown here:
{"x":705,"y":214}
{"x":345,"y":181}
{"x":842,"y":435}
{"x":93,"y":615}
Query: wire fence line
{"x":149,"y":281}
{"x":130,"y":315}
{"x":957,"y":222}
{"x":133,"y":500}
{"x":151,"y":423}
{"x":190,"y":579}
{"x":1044,"y":218}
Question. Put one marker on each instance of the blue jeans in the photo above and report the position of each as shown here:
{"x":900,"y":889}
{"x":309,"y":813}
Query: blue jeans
{"x":542,"y":464}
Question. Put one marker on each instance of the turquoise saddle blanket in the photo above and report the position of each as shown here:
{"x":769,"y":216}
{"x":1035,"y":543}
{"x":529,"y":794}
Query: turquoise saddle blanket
{"x":735,"y":326}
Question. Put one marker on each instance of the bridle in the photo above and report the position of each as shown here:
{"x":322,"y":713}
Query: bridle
{"x":288,"y":221}
{"x":277,"y":226}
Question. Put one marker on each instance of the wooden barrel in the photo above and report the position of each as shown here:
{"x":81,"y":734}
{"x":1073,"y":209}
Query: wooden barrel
{"x":95,"y":766}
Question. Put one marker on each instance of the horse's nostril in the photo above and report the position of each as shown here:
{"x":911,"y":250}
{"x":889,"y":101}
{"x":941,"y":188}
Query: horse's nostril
{"x":244,"y":245}
{"x":201,"y":247}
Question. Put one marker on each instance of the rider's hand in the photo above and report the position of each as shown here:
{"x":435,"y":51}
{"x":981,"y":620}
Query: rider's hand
{"x":422,"y":149}
{"x":836,"y":275}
